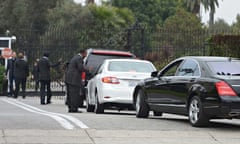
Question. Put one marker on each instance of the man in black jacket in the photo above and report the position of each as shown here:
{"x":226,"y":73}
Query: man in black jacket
{"x":21,"y":72}
{"x":10,"y":74}
{"x":44,"y":77}
{"x":74,"y":80}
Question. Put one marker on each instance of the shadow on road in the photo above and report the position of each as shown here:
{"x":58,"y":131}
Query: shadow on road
{"x":119,"y":113}
{"x":213,"y":124}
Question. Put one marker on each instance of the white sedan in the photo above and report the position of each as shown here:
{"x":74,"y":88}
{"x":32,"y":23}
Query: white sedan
{"x":114,"y":82}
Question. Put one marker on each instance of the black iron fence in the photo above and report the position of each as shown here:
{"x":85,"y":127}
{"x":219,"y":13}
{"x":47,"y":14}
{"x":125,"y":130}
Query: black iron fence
{"x":159,"y":46}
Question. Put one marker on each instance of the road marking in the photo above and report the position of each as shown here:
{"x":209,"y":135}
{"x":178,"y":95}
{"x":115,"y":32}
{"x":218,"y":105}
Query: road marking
{"x":61,"y":118}
{"x":70,"y":118}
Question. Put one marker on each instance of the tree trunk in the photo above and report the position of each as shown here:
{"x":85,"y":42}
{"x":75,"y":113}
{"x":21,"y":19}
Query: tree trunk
{"x":211,"y":18}
{"x":196,"y":9}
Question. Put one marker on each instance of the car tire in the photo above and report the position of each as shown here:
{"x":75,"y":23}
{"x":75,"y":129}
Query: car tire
{"x":196,"y":115}
{"x":142,"y":109}
{"x":155,"y":113}
{"x":89,"y":107}
{"x":99,"y":108}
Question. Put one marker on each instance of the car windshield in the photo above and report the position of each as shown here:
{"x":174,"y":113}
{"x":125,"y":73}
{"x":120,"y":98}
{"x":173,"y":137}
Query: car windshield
{"x":128,"y":66}
{"x":225,"y":67}
{"x":95,"y":60}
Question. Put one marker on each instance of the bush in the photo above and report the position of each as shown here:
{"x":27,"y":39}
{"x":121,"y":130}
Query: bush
{"x":225,"y":45}
{"x":2,"y":73}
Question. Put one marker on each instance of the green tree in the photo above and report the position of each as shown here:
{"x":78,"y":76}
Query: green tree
{"x":183,"y":34}
{"x":150,"y":12}
{"x":17,"y":15}
{"x":220,"y":26}
{"x":86,"y":26}
{"x":236,"y":25}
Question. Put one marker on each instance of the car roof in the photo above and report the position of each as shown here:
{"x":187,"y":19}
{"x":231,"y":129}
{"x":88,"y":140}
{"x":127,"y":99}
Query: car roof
{"x":111,"y":52}
{"x":128,"y":60}
{"x":209,"y":58}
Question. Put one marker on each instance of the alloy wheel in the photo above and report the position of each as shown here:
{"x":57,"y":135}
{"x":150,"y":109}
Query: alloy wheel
{"x":194,"y":111}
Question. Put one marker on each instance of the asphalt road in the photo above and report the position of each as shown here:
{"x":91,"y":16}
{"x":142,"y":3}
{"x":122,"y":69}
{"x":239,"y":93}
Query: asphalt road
{"x":19,"y":116}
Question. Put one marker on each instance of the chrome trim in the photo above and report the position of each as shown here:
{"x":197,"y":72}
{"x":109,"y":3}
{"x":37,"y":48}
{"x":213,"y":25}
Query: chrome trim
{"x":171,"y":105}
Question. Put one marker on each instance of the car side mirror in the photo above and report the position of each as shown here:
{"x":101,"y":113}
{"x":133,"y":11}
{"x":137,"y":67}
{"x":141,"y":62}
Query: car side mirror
{"x":154,"y":74}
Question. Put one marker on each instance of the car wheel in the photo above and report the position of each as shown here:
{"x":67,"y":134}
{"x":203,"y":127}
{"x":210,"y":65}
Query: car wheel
{"x":89,"y":107}
{"x":99,"y":108}
{"x":196,"y":115}
{"x":142,"y":109}
{"x":155,"y":113}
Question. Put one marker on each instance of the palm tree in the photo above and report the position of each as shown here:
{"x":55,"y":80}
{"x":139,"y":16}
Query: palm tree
{"x":211,"y":5}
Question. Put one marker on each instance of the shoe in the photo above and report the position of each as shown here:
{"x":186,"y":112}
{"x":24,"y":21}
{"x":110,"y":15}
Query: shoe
{"x":49,"y":102}
{"x":42,"y":103}
{"x":24,"y":97}
{"x":74,"y":111}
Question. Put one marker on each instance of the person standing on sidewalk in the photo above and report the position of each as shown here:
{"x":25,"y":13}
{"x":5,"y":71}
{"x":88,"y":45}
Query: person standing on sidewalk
{"x":45,"y":79}
{"x":10,"y":74}
{"x":21,"y":72}
{"x":74,"y":81}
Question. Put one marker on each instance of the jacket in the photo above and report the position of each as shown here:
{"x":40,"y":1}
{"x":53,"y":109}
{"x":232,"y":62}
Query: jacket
{"x":74,"y":72}
{"x":21,"y":69}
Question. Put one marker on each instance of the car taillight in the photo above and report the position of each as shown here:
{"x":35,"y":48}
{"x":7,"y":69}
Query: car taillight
{"x":224,"y":89}
{"x":83,"y":76}
{"x":110,"y":80}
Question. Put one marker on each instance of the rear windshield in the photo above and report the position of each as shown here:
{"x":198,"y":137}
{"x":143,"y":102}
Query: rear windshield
{"x":126,"y":66}
{"x":94,"y":60}
{"x":225,"y":68}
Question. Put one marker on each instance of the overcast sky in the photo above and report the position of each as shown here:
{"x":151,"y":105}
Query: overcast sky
{"x":228,"y":10}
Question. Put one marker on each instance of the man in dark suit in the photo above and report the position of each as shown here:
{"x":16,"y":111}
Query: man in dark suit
{"x":74,"y":81}
{"x":10,"y":73}
{"x":44,"y":77}
{"x":21,"y":72}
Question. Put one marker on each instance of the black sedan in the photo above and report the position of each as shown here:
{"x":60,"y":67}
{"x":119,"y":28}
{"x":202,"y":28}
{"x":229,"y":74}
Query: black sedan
{"x":201,"y":88}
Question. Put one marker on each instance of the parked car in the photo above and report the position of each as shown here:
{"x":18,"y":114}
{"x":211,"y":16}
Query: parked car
{"x":201,"y":88}
{"x":94,"y":59}
{"x":114,"y":82}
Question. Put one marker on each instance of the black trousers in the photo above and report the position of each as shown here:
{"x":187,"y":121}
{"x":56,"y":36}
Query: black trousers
{"x":73,"y":97}
{"x":11,"y":90}
{"x":22,"y":82}
{"x":43,"y":85}
{"x":36,"y":85}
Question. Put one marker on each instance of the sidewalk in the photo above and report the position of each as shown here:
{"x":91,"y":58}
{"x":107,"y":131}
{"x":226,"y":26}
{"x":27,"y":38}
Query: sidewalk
{"x":92,"y":136}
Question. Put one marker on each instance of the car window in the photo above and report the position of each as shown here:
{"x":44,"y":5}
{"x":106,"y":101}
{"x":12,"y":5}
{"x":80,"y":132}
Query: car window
{"x":172,"y":69}
{"x":225,"y":67}
{"x":189,"y":68}
{"x":94,"y":61}
{"x":129,"y":66}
